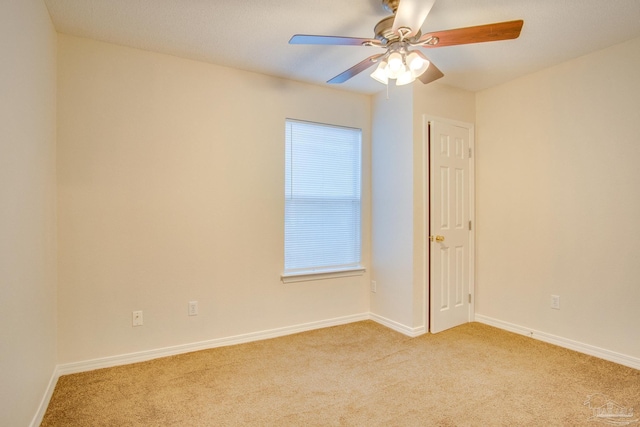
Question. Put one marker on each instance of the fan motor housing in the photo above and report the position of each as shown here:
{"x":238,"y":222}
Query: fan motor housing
{"x":384,"y":31}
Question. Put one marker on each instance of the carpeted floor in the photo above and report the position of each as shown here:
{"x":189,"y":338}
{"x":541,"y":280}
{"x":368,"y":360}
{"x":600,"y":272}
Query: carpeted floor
{"x":360,"y":374}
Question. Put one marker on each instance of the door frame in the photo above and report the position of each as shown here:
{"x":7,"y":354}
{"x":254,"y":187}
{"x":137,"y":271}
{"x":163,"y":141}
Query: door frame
{"x":426,"y":217}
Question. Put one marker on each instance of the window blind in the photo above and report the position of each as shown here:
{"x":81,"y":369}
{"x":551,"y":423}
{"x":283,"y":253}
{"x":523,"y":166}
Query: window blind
{"x":322,"y":197}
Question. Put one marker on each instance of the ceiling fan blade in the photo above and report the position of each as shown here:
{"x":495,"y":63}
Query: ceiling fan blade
{"x":356,"y":69}
{"x":481,"y":33}
{"x":432,"y":74}
{"x":332,"y":40}
{"x":411,"y":14}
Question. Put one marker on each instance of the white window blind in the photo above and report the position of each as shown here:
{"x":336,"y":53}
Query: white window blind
{"x":322,"y":197}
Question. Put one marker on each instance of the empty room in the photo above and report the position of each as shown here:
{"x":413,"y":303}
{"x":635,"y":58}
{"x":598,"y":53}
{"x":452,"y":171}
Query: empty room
{"x":364,"y":213}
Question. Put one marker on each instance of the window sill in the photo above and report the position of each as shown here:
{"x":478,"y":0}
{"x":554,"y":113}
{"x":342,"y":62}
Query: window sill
{"x":305,"y":276}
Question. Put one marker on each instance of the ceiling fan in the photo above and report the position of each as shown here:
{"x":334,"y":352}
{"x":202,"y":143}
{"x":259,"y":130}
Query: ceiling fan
{"x":400,"y":33}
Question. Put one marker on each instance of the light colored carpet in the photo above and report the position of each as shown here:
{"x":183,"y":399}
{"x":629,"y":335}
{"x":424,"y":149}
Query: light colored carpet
{"x":360,"y":374}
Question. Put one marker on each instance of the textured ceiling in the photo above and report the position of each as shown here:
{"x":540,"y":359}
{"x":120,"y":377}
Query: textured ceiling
{"x":253,"y":34}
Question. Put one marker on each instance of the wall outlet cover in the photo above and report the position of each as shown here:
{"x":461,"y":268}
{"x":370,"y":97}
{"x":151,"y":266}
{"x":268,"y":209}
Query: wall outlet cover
{"x":193,"y":308}
{"x":136,"y":318}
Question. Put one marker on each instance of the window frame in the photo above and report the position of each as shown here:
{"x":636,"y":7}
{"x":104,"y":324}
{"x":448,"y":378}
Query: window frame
{"x":319,"y":273}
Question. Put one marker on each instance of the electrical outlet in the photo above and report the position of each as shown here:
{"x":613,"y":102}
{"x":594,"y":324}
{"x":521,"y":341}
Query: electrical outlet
{"x":374,"y":286}
{"x":193,"y":308}
{"x":136,"y":318}
{"x":555,"y":302}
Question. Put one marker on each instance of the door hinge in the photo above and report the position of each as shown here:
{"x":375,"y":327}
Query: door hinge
{"x":469,"y":152}
{"x":470,"y":228}
{"x":469,"y":298}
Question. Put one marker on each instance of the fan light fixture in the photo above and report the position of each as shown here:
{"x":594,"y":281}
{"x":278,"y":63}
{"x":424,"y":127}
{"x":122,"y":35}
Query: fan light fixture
{"x":401,"y":64}
{"x":399,"y":34}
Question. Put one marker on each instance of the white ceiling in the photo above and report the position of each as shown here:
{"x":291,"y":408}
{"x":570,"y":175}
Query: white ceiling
{"x":253,"y":34}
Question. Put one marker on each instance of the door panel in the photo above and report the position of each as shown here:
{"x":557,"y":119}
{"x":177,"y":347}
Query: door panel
{"x":449,"y":218}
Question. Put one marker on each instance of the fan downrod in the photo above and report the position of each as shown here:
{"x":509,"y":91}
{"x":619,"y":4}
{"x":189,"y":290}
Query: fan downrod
{"x":391,"y":5}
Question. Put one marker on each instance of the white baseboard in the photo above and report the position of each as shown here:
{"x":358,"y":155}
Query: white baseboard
{"x":398,"y":327}
{"x":44,"y":403}
{"x":141,"y":356}
{"x":622,"y":359}
{"x":125,"y":359}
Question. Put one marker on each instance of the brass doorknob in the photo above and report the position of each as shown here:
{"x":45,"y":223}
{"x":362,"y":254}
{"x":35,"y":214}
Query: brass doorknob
{"x":436,"y":238}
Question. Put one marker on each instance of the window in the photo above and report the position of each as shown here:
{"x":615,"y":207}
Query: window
{"x":322,"y":201}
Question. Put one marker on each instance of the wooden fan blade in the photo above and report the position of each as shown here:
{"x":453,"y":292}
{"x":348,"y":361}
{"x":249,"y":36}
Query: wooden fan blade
{"x":331,"y":40}
{"x":356,"y":69}
{"x":432,"y":74}
{"x":411,"y":14}
{"x":481,"y":33}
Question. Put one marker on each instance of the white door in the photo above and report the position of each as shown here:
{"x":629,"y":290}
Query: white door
{"x":450,"y":225}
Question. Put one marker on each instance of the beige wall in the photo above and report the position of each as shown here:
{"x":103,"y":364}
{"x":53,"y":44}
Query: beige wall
{"x":392,"y":205}
{"x":27,"y":208}
{"x":397,"y":212}
{"x":557,"y":201}
{"x":171,"y":189}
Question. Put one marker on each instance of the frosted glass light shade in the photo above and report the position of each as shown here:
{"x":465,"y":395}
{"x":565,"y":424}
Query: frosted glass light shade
{"x":405,"y":78}
{"x":380,"y":73}
{"x":417,"y":63}
{"x":395,"y":66}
